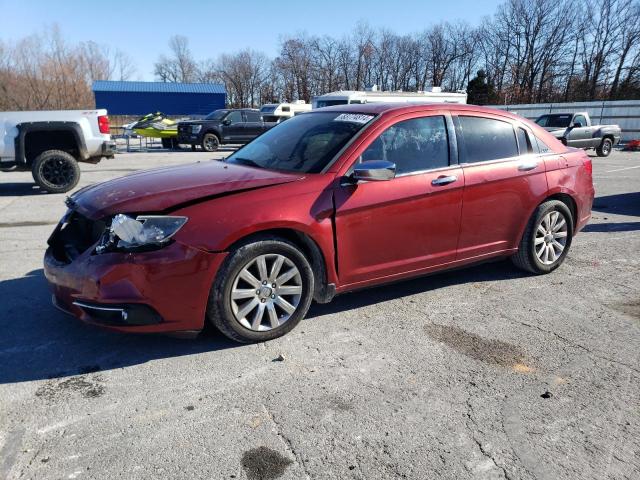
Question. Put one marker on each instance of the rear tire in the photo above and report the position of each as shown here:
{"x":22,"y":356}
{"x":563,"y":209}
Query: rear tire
{"x":244,"y":304}
{"x":56,"y":171}
{"x":210,"y":142}
{"x":546,"y":240}
{"x":605,"y":147}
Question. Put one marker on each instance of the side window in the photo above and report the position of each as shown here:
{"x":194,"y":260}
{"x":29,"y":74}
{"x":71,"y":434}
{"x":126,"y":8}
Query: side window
{"x":542,"y":147}
{"x":234,"y":117}
{"x":581,"y":120}
{"x":413,"y":145}
{"x":253,"y":116}
{"x":486,"y":139}
{"x":286,"y":109}
{"x":524,"y":143}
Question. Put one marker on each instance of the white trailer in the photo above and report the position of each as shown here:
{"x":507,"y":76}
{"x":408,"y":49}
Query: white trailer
{"x":434,"y":95}
{"x":278,"y":112}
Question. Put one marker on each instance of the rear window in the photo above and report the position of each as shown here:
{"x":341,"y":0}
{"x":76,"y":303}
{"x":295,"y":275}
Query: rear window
{"x":554,"y":121}
{"x":253,"y":116}
{"x":486,"y":139}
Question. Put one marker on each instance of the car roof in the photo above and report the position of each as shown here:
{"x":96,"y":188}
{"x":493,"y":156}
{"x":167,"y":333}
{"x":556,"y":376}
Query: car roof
{"x":396,"y":108}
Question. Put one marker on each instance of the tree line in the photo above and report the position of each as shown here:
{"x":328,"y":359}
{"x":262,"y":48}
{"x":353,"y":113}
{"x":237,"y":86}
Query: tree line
{"x":528,"y":51}
{"x":44,"y":72}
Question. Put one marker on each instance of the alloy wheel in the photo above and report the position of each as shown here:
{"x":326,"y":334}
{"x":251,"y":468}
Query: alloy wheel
{"x":551,"y":237}
{"x":56,"y":171}
{"x":266,"y":292}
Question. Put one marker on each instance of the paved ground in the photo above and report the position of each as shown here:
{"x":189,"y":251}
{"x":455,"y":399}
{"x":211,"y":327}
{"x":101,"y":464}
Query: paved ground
{"x":483,"y":373}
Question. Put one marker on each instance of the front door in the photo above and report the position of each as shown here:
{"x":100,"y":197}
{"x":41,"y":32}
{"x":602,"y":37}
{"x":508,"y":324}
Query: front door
{"x":392,"y":228}
{"x":580,"y":136}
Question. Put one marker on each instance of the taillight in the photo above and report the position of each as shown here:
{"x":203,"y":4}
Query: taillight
{"x":103,"y":124}
{"x":588,"y":165}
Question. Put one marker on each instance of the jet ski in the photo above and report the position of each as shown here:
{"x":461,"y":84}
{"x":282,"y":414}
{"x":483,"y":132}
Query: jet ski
{"x":155,"y":125}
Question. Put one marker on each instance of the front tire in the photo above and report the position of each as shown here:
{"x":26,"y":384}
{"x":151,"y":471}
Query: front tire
{"x":262,"y":291}
{"x":546,"y":240}
{"x":605,"y":147}
{"x":210,"y":142}
{"x":56,"y":171}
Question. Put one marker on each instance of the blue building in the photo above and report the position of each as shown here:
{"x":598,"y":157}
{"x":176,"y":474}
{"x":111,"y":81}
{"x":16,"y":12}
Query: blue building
{"x":140,"y":98}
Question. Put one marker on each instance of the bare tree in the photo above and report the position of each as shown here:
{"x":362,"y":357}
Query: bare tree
{"x":180,"y":65}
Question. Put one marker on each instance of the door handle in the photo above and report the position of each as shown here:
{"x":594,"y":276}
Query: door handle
{"x":444,"y":180}
{"x":525,"y":167}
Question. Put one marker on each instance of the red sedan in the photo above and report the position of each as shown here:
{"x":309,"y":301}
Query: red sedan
{"x":329,"y":201}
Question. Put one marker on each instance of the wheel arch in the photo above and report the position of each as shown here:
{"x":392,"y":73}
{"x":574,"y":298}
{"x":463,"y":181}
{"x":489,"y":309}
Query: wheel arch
{"x":569,"y":201}
{"x":48,"y":134}
{"x":323,"y":290}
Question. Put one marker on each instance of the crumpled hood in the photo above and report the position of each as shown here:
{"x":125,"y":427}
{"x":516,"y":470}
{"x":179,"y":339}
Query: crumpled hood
{"x":161,"y":189}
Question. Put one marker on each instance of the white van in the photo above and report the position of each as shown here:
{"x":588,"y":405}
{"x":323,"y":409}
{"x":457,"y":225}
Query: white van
{"x":434,"y":95}
{"x":278,"y":112}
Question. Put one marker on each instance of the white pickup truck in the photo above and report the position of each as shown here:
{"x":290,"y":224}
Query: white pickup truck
{"x":576,"y":130}
{"x":51,"y":143}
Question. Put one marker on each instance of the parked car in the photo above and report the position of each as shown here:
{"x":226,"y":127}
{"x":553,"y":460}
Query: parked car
{"x":576,"y":130}
{"x":51,"y":143}
{"x":237,"y":126}
{"x":327,"y":202}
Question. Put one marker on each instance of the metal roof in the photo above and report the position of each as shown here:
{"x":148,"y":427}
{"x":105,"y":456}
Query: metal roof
{"x":156,"y":87}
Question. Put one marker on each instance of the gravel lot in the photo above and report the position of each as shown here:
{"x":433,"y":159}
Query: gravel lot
{"x":481,"y":373}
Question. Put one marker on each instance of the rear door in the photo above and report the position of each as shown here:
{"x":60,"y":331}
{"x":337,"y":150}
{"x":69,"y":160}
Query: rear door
{"x":234,"y":131}
{"x":253,"y":125}
{"x":504,"y":177}
{"x":407,"y":224}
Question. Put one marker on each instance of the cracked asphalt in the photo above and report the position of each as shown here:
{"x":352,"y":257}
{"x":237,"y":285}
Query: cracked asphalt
{"x":483,"y":373}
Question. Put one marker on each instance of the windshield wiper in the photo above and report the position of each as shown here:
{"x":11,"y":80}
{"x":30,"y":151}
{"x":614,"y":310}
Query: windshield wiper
{"x":247,"y":161}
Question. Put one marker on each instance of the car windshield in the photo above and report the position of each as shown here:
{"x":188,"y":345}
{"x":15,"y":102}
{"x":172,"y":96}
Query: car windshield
{"x":216,"y":115}
{"x":554,"y":121}
{"x":305,"y":143}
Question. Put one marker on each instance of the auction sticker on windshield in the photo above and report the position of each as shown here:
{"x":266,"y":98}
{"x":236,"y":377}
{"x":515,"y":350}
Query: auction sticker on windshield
{"x":353,"y":117}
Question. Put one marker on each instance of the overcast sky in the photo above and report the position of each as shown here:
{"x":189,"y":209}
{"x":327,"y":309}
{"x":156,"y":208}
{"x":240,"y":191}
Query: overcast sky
{"x":142,"y":28}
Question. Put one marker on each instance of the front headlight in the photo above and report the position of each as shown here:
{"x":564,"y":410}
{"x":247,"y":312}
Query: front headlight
{"x":196,"y":128}
{"x":128,"y":233}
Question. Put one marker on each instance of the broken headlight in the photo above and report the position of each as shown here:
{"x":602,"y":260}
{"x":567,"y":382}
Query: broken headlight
{"x":142,"y":232}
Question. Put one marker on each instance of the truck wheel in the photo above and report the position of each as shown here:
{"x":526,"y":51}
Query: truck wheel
{"x":262,"y":291}
{"x":56,"y":171}
{"x":605,"y":148}
{"x":210,"y":142}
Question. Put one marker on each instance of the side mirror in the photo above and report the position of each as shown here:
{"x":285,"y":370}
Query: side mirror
{"x":226,"y":122}
{"x":374,"y":170}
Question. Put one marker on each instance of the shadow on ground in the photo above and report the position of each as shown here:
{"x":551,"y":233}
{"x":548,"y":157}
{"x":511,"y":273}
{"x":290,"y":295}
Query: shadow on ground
{"x":40,"y":342}
{"x":486,"y":272}
{"x":620,"y":204}
{"x":612,"y":227}
{"x":20,"y":189}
